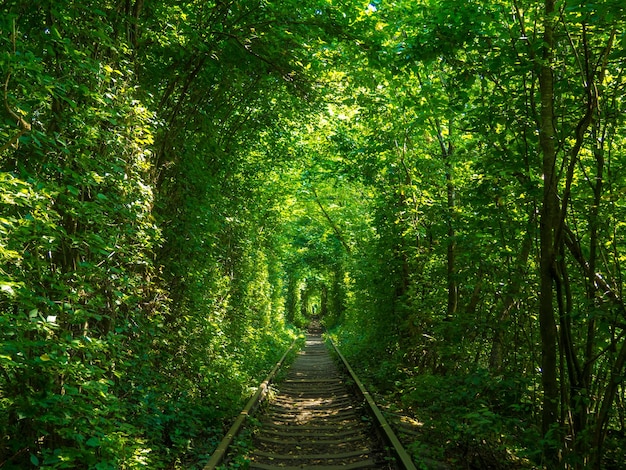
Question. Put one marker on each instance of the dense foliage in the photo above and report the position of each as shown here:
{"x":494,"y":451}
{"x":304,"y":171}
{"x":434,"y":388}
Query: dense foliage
{"x":141,"y":277}
{"x":441,"y":181}
{"x":492,"y":143}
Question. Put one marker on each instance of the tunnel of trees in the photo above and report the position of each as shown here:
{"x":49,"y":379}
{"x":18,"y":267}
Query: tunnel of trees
{"x":184,"y":183}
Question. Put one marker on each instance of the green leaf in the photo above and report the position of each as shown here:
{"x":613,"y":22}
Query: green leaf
{"x":7,"y":289}
{"x":34,"y":460}
{"x":93,"y":442}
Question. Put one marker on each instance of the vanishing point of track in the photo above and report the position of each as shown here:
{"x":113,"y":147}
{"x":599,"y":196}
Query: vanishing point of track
{"x":315,"y":420}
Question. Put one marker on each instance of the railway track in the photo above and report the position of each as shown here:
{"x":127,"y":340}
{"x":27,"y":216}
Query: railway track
{"x":319,"y":417}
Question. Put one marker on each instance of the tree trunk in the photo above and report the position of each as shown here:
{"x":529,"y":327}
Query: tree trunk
{"x":548,"y":223}
{"x":496,"y":358}
{"x":453,"y":291}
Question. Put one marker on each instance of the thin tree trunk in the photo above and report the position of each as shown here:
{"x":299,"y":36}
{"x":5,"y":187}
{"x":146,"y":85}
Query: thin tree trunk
{"x":332,"y":223}
{"x":453,"y":290}
{"x":548,"y":224}
{"x":447,"y":150}
{"x":599,"y":433}
{"x":496,"y":357}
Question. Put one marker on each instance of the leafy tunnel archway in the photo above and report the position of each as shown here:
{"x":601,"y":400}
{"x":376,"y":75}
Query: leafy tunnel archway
{"x":184,"y":183}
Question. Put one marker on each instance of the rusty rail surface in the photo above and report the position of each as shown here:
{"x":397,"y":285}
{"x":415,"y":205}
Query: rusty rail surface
{"x":218,"y":456}
{"x":387,"y":432}
{"x":315,"y":422}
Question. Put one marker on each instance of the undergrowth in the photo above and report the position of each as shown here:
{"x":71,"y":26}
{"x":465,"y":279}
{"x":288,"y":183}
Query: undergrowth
{"x":243,"y":443}
{"x":466,"y":421}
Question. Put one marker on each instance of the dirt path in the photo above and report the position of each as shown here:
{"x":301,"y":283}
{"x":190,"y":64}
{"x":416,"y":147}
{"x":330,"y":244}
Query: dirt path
{"x":314,"y":421}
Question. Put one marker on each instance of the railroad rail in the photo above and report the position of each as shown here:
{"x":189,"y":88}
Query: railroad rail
{"x":317,"y":419}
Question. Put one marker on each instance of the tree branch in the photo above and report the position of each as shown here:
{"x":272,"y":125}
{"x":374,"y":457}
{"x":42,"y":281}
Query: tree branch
{"x":332,"y":223}
{"x":23,"y":125}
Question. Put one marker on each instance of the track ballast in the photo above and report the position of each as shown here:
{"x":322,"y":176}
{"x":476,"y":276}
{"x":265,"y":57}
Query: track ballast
{"x":314,"y":421}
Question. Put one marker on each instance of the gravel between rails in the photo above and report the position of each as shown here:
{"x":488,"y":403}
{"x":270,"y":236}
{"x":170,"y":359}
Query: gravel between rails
{"x":314,"y":421}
